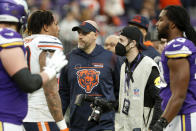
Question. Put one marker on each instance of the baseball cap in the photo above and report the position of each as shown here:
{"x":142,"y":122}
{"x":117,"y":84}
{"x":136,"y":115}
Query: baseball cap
{"x":139,"y":20}
{"x":133,"y":33}
{"x":87,"y":26}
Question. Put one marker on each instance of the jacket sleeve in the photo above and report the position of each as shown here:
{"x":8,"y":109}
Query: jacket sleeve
{"x":64,"y":89}
{"x":116,"y":77}
{"x":151,"y":96}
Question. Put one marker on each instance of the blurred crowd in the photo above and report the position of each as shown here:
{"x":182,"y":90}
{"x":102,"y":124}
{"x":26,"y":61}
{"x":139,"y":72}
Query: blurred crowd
{"x":111,"y":15}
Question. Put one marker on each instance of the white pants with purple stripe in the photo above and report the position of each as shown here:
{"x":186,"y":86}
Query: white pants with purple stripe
{"x":183,"y":123}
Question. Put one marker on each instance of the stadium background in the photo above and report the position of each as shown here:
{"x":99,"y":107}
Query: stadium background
{"x":111,"y":15}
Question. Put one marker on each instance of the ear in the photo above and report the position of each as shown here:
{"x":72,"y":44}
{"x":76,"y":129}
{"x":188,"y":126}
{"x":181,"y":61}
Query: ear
{"x":45,"y":28}
{"x":172,"y":25}
{"x":96,"y":34}
{"x":132,"y":44}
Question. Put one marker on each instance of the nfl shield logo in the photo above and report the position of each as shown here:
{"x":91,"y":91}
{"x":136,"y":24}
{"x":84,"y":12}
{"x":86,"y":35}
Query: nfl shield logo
{"x":136,"y":92}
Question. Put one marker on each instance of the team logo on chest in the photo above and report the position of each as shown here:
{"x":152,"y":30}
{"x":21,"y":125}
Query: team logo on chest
{"x":88,"y":79}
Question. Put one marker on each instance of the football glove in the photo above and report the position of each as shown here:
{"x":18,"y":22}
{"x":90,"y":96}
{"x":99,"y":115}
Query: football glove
{"x":55,"y":63}
{"x":160,"y":124}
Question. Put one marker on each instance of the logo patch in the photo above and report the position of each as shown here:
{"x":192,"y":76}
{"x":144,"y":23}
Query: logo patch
{"x":88,"y":79}
{"x":27,"y":40}
{"x":10,"y":34}
{"x":176,"y":45}
{"x":136,"y":92}
{"x":157,"y":82}
{"x":99,"y":65}
{"x":83,"y":23}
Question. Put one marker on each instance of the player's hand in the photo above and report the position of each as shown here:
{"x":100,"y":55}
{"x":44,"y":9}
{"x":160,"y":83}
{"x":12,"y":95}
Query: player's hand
{"x":160,"y":124}
{"x":67,"y":129}
{"x":157,"y":127}
{"x":55,"y":63}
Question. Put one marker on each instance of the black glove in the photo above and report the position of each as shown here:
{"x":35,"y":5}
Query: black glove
{"x":160,"y":124}
{"x":157,"y":127}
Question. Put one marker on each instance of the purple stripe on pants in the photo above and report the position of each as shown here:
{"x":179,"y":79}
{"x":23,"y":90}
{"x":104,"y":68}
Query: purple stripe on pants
{"x":188,"y":122}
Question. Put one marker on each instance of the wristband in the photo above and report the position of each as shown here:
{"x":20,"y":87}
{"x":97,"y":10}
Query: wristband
{"x":62,"y":124}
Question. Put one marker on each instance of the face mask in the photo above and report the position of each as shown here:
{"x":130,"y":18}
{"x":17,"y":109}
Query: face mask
{"x":120,"y":49}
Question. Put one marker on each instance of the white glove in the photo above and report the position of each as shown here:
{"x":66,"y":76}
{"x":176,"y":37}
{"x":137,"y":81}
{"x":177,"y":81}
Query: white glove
{"x":55,"y":64}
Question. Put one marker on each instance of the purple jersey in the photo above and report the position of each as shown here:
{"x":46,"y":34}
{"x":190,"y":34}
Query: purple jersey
{"x":13,"y":101}
{"x":180,"y":48}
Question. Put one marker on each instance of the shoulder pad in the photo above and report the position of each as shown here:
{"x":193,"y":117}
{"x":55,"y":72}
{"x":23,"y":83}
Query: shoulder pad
{"x":177,"y":48}
{"x":44,"y":42}
{"x":47,"y":42}
{"x":10,"y":38}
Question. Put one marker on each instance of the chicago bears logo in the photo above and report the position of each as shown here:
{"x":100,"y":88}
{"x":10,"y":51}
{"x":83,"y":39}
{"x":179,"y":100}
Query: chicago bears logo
{"x":83,"y":23}
{"x":137,"y":19}
{"x":88,"y":79}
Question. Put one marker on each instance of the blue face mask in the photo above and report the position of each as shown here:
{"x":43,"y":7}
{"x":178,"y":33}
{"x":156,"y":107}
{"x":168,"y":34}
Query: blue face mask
{"x":120,"y":49}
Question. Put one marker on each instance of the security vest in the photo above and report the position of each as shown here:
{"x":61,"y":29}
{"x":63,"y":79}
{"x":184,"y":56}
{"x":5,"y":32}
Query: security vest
{"x":132,"y":113}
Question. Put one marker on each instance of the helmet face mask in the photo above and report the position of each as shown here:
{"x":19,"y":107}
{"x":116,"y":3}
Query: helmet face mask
{"x":15,"y":11}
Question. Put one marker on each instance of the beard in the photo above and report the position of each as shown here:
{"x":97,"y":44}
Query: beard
{"x":164,"y":32}
{"x":81,"y":44}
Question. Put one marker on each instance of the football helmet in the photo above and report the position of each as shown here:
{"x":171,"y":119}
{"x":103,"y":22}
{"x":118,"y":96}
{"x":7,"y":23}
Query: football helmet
{"x":14,"y":11}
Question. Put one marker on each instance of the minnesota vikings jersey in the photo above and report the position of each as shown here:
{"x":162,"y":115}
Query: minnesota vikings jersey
{"x":13,"y":101}
{"x":37,"y":105}
{"x":179,"y":48}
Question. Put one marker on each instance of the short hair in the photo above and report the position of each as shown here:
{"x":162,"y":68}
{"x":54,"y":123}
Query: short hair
{"x":38,"y":19}
{"x":180,"y":17}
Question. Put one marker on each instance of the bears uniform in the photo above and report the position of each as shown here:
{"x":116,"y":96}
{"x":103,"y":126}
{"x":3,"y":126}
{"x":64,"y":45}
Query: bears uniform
{"x":11,"y":96}
{"x":37,"y":106}
{"x":176,"y":49}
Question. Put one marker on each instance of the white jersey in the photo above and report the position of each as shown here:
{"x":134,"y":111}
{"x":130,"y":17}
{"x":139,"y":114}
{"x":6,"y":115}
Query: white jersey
{"x":37,"y":106}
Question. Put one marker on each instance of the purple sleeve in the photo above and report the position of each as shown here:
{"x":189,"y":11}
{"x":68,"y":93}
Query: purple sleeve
{"x":179,"y":48}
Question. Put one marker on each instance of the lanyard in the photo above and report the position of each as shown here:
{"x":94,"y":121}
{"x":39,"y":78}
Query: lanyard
{"x":129,"y":73}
